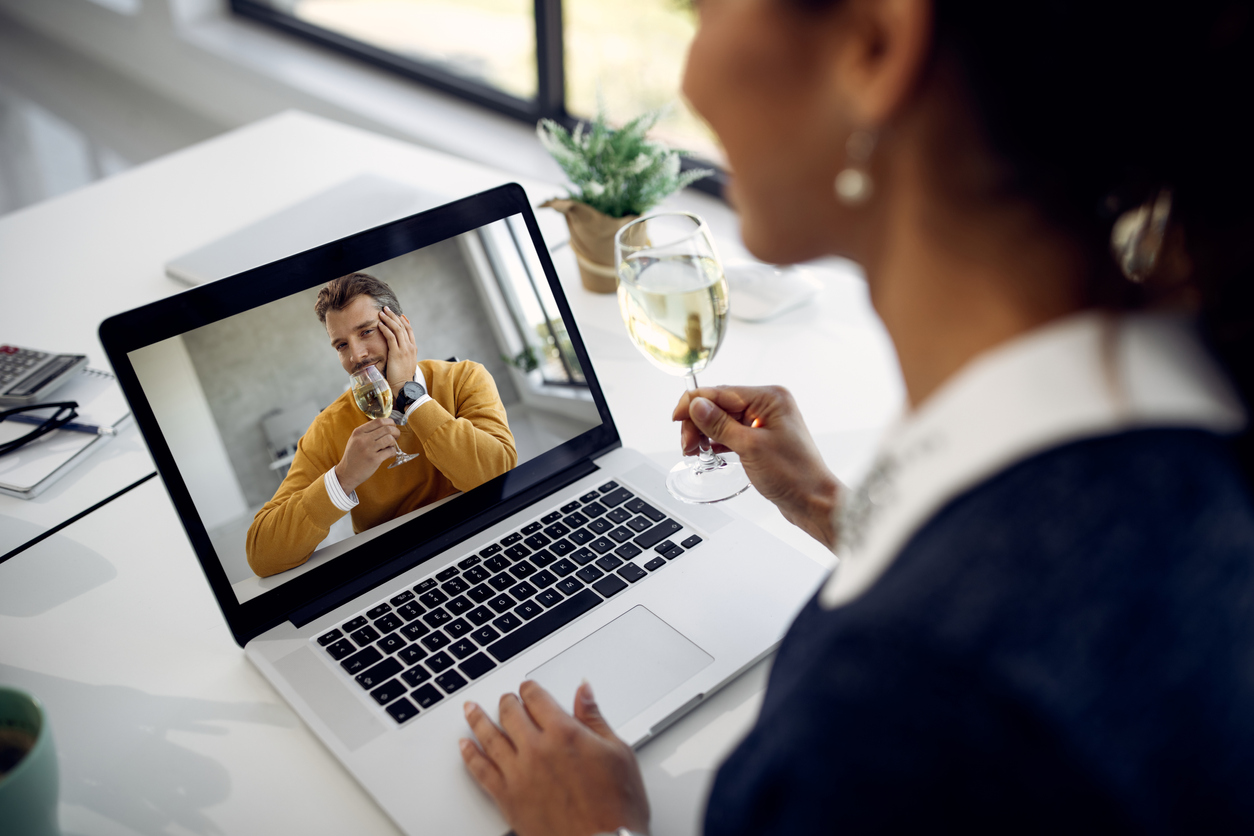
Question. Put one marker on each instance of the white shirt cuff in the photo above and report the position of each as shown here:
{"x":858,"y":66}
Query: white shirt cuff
{"x":345,"y":502}
{"x":410,"y":410}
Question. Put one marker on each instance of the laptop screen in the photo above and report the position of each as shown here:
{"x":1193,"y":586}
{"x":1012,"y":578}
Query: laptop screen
{"x":242,"y":389}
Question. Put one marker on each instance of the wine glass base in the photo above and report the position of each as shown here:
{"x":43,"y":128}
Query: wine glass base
{"x":401,"y":458}
{"x":703,"y":487}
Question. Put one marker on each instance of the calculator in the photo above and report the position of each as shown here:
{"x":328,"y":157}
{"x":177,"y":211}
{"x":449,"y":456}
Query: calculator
{"x":28,"y":376}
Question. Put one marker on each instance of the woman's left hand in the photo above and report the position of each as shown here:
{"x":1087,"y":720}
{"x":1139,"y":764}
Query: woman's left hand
{"x":553,"y":774}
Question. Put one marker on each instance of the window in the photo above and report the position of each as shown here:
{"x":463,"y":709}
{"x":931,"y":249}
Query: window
{"x":526,"y":58}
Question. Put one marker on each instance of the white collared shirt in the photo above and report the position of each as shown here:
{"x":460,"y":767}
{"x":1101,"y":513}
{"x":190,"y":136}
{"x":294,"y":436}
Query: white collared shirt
{"x":1085,"y":376}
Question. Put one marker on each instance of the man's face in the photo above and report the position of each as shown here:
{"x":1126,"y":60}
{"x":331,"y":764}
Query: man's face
{"x":356,"y":336}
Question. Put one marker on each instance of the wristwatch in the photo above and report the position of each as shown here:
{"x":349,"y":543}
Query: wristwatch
{"x":410,"y":392}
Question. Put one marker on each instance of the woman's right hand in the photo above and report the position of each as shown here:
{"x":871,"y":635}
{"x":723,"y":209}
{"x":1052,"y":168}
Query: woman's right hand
{"x":764,"y":427}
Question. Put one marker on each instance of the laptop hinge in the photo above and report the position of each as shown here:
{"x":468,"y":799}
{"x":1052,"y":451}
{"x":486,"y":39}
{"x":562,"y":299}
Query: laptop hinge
{"x":348,"y":591}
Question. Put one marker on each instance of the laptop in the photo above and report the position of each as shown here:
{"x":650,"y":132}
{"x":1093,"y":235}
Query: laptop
{"x":573,"y":564}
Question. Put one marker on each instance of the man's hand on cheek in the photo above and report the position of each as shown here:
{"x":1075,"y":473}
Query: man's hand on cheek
{"x":553,"y":774}
{"x":402,"y":348}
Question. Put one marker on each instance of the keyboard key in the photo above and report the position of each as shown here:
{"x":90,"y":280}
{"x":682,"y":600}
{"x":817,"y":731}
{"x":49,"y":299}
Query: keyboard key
{"x":415,"y":630}
{"x":663,"y":547}
{"x":440,"y":662}
{"x":489,"y":551}
{"x":402,"y":710}
{"x":501,"y":603}
{"x":341,"y":648}
{"x":522,"y":591}
{"x":445,"y":574}
{"x":601,"y":526}
{"x":557,"y":530}
{"x":627,"y":551}
{"x":450,"y":681}
{"x":639,"y":524}
{"x":529,"y":528}
{"x":496,"y":564}
{"x":639,"y":506}
{"x":655,"y":564}
{"x":378,"y":611}
{"x":609,"y":563}
{"x":561,"y":548}
{"x":543,"y":579}
{"x":485,"y":635}
{"x":480,"y":593}
{"x":538,"y":628}
{"x":388,"y":623}
{"x":355,"y":624}
{"x":574,"y":521}
{"x":568,"y":507}
{"x":589,"y":497}
{"x":569,"y":586}
{"x":411,"y":654}
{"x":476,"y":574}
{"x":397,"y":600}
{"x":551,"y":518}
{"x":673,"y":553}
{"x":618,"y":515}
{"x":543,"y":557}
{"x":463,"y":648}
{"x":476,"y":666}
{"x":458,"y":605}
{"x":537,"y":541}
{"x":457,"y":628}
{"x":507,"y":622}
{"x":479,"y":616}
{"x":691,"y":541}
{"x":378,"y":674}
{"x":601,"y":545}
{"x":610,"y":585}
{"x":517,"y":552}
{"x":416,"y":676}
{"x":583,"y":556}
{"x":617,"y":497}
{"x":588,"y":574}
{"x":391,"y":643}
{"x":432,"y":598}
{"x":361,"y":660}
{"x":423,"y":586}
{"x":435,"y":641}
{"x":631,"y":573}
{"x":527,"y":610}
{"x":411,"y":610}
{"x":426,"y":696}
{"x":502,"y":582}
{"x":593,"y":509}
{"x":657,"y":534}
{"x":437,"y":617}
{"x":387,"y":692}
{"x":511,"y":539}
{"x":455,"y":587}
{"x":549,"y":598}
{"x":365,"y":636}
{"x":607,"y":487}
{"x":326,"y":638}
{"x":522,"y":570}
{"x":580,"y":536}
{"x":468,"y":562}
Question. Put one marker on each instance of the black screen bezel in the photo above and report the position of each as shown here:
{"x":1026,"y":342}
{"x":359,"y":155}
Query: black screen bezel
{"x":395,"y":551}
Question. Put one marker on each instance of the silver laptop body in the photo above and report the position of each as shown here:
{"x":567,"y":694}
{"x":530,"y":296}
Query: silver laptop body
{"x":672,"y":601}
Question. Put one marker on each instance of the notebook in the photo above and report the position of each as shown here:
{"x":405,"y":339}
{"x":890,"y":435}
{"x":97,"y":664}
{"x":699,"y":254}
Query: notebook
{"x":32,"y":468}
{"x":572,"y":562}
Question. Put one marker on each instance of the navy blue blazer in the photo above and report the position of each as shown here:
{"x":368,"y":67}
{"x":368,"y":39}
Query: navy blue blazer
{"x":1067,"y":646}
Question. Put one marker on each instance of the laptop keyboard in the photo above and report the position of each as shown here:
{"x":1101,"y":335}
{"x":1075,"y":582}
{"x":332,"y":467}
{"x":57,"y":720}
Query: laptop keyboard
{"x":422,"y":643}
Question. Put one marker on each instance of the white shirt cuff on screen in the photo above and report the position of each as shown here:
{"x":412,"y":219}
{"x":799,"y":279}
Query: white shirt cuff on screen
{"x":341,"y":500}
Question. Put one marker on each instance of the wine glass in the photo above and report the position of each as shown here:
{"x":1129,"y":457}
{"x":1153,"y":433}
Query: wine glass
{"x":673,"y":298}
{"x":374,"y":397}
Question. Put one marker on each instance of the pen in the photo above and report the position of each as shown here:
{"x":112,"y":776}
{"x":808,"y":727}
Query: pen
{"x":90,"y":429}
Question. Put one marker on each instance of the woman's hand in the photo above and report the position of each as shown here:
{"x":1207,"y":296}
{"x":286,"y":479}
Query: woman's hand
{"x":764,"y":427}
{"x":402,"y":348}
{"x":553,"y":774}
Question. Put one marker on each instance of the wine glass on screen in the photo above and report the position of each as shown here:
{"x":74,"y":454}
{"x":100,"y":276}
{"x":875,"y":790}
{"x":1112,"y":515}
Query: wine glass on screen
{"x":374,"y":397}
{"x":673,"y":298}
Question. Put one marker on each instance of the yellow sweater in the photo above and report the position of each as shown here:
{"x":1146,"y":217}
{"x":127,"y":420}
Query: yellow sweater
{"x":464,"y":440}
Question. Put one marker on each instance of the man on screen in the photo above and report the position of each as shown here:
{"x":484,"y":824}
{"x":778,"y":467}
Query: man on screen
{"x":448,"y":413}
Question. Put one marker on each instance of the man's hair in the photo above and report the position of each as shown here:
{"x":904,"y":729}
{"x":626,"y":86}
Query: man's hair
{"x":340,"y":293}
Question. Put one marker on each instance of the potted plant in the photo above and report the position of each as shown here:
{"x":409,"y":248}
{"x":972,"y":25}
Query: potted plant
{"x":617,"y":174}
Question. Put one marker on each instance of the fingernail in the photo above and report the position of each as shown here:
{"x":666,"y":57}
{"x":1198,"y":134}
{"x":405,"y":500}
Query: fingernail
{"x":585,"y":693}
{"x":465,"y":745}
{"x":701,"y":409}
{"x":468,"y":708}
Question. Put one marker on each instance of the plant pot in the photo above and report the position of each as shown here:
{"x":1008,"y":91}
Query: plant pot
{"x":592,"y":240}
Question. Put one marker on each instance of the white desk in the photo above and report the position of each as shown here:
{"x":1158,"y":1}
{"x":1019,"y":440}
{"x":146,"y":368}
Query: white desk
{"x":161,"y":724}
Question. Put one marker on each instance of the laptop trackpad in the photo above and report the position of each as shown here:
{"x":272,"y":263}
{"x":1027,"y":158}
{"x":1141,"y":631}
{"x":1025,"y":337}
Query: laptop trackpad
{"x":631,"y":663}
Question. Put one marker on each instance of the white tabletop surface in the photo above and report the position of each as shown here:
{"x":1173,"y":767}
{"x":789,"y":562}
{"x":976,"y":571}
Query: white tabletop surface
{"x":161,"y":724}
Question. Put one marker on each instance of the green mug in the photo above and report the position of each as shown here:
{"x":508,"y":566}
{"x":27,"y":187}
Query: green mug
{"x":28,"y":767}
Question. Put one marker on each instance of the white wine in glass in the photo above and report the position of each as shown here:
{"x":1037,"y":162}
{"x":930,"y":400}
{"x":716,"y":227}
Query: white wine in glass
{"x":673,"y":298}
{"x":374,"y":397}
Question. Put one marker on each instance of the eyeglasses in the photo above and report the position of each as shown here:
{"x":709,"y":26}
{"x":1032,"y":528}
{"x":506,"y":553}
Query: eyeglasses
{"x":66,"y":411}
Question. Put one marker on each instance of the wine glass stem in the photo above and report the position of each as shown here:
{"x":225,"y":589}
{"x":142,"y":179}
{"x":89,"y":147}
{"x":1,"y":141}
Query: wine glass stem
{"x":705,"y":452}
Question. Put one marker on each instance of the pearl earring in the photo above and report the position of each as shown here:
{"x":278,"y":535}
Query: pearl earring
{"x":854,"y":186}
